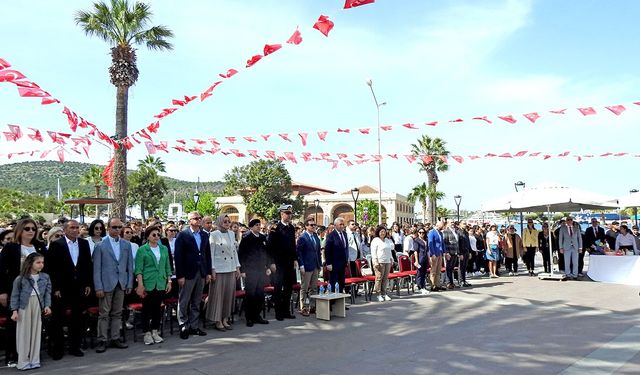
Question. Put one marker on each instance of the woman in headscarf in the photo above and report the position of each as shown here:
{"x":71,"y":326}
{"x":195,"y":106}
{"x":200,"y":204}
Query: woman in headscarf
{"x":225,"y":269}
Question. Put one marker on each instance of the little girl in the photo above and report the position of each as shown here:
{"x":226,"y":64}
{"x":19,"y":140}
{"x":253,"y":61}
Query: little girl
{"x":30,"y":298}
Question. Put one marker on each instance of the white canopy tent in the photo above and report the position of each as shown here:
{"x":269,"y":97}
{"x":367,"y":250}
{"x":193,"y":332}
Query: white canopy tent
{"x":552,"y":198}
{"x":629,"y":200}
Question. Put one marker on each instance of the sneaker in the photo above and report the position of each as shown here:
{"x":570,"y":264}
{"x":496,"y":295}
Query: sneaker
{"x":387,"y":298}
{"x":156,"y":337}
{"x":148,"y":339}
{"x":580,"y":275}
{"x":424,"y":292}
{"x":128,"y":325}
{"x":380,"y":299}
{"x":510,"y":273}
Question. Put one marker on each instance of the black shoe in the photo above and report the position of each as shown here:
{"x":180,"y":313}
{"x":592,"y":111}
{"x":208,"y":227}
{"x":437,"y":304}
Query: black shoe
{"x":466,"y":284}
{"x":56,"y":356}
{"x":346,"y":307}
{"x":249,"y":323}
{"x":184,"y":333}
{"x":76,"y":352}
{"x":279,"y":318}
{"x":261,"y":321}
{"x":118,"y":344}
{"x":197,"y":332}
{"x":102,"y":347}
{"x":289,"y":316}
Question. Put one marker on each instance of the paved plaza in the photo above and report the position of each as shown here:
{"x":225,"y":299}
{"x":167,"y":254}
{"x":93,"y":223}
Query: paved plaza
{"x":508,"y":325}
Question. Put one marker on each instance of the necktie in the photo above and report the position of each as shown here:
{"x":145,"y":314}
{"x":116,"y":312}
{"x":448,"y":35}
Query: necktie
{"x":312,"y":239}
{"x":342,"y":238}
{"x":570,"y":231}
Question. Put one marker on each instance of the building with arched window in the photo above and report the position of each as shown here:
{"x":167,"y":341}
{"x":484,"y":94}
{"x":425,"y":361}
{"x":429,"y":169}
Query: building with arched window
{"x":331,"y":204}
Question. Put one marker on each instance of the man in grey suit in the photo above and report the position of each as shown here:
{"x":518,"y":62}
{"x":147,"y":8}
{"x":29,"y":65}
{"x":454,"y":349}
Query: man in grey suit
{"x":570,"y":243}
{"x":112,"y":277}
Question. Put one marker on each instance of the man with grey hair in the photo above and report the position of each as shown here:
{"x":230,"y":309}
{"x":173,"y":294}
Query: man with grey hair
{"x":207,"y":224}
{"x":336,"y":253}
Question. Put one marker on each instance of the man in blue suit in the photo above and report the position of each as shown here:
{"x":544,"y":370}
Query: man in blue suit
{"x":336,"y":254}
{"x":310,"y":262}
{"x":193,"y":268}
{"x":436,"y":249}
{"x":112,"y":277}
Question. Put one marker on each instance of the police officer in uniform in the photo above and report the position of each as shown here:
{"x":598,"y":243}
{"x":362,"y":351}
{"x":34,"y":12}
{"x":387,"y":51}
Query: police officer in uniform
{"x":281,"y":246}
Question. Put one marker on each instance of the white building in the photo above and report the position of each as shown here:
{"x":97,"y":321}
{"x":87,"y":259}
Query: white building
{"x":331,"y":204}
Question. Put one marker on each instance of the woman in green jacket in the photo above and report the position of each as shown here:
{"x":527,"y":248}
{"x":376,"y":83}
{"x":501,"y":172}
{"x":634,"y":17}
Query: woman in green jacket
{"x":153,"y":273}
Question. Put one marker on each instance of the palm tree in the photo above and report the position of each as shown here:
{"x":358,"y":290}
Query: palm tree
{"x":93,"y":177}
{"x":431,"y":151}
{"x":123,"y":26}
{"x":419,"y":193}
{"x":152,"y":163}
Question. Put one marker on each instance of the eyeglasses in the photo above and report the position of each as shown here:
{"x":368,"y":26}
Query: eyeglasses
{"x":56,"y":236}
{"x":311,"y":225}
{"x":421,"y":232}
{"x":154,"y":234}
{"x":172,"y":230}
{"x":195,"y":218}
{"x":29,"y":229}
{"x":127,"y":233}
{"x":116,"y":227}
{"x":226,"y":221}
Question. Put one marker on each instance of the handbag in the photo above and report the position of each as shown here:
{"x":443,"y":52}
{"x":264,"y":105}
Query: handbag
{"x":366,"y":271}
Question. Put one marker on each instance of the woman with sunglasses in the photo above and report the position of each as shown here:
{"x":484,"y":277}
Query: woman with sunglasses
{"x":153,"y":272}
{"x":96,"y":233}
{"x":225,"y":269}
{"x":11,"y":259}
{"x":54,"y":234}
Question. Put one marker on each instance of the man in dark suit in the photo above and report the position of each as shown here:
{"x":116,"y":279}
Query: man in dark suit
{"x":68,"y":263}
{"x":193,"y":268}
{"x":592,"y":235}
{"x":310,"y":262}
{"x":336,"y":254}
{"x":451,"y":252}
{"x":464,"y":246}
{"x":281,"y":246}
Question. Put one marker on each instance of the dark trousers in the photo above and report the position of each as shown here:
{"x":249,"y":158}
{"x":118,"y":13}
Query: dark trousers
{"x":10,"y":353}
{"x":451,"y":264}
{"x":151,"y":310}
{"x":529,"y":258}
{"x":581,"y":261}
{"x":560,"y":261}
{"x":481,"y":263}
{"x":75,"y":321}
{"x":462,"y":278}
{"x":337,"y":275}
{"x":254,"y":299}
{"x":283,"y":280}
{"x":546,"y":260}
{"x":421,"y":273}
{"x":511,"y":264}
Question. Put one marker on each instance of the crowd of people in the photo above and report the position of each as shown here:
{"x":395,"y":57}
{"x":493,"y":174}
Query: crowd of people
{"x":52,"y":274}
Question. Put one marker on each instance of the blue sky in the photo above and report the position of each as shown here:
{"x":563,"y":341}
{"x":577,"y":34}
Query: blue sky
{"x":430,"y":60}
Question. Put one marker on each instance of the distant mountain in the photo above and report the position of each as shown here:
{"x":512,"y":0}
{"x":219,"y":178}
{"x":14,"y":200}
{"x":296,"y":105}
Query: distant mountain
{"x":40,"y":177}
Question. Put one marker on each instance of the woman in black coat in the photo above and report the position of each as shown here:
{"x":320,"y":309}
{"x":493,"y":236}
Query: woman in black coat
{"x":254,"y":266}
{"x":11,"y":258}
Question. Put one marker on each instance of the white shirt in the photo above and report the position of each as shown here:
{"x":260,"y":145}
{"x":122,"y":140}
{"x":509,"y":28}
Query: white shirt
{"x":353,"y":243}
{"x":473,"y":242}
{"x":407,"y":244}
{"x":156,"y":252}
{"x":35,"y":277}
{"x":626,"y":240}
{"x":115,"y":245}
{"x":381,"y":250}
{"x":25,"y":251}
{"x":74,"y":250}
{"x":134,"y":250}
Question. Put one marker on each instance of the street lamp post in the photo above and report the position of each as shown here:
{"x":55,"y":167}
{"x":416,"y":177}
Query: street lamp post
{"x":355,"y":193}
{"x":635,"y":209}
{"x":316,"y":204}
{"x":378,"y":105}
{"x":196,"y":196}
{"x":517,"y":185}
{"x":458,"y":199}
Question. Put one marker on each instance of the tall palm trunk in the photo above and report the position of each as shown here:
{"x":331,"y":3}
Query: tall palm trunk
{"x":120,"y":163}
{"x":424,"y":210}
{"x":432,"y":181}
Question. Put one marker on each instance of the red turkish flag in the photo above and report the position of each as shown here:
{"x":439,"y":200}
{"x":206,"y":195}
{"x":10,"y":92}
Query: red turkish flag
{"x":579,"y":158}
{"x":606,"y":154}
{"x":344,"y":130}
{"x":284,"y":136}
{"x":153,"y":127}
{"x":520,"y":153}
{"x":165,"y":112}
{"x":508,"y":119}
{"x":61,"y":155}
{"x":393,"y":156}
{"x":545,"y":157}
{"x":10,"y":136}
{"x":270,"y":154}
{"x":199,"y":141}
{"x":127,"y":143}
{"x":271,"y":48}
{"x":364,"y":131}
{"x":36,"y":136}
{"x":558,"y":111}
{"x":49,"y":100}
{"x":341,"y":155}
{"x":133,"y":136}
{"x":566,"y":153}
{"x":348,"y":163}
{"x":56,"y":138}
{"x":322,"y":135}
{"x":483,"y":118}
{"x":295,"y":38}
{"x":587,"y":111}
{"x":361,"y":161}
{"x":427,"y":159}
{"x":10,"y":75}
{"x":359,"y":156}
{"x":28,"y":92}
{"x":230,"y":73}
{"x":252,"y":61}
{"x":291,"y":157}
{"x":4,"y":63}
{"x":306,"y":156}
{"x":27,"y":84}
{"x":85,"y":148}
{"x":253,"y":153}
{"x":456,"y":120}
{"x":197,"y":151}
{"x":208,"y":92}
{"x":151,"y":149}
{"x":620,"y":154}
{"x":432,"y":123}
{"x":474,"y":157}
{"x":334,"y":164}
{"x":178,"y":102}
{"x":533,"y":116}
{"x":506,"y":155}
{"x":180,"y":148}
{"x":231,"y":139}
{"x":386,"y":127}
{"x":162,"y":146}
{"x":324,"y":25}
{"x":325,"y":155}
{"x":15,"y":129}
{"x":72,"y":118}
{"x":410,"y":158}
{"x":107,"y":172}
{"x":266,"y":136}
{"x":458,"y":158}
{"x":249,"y":139}
{"x":443,"y":159}
{"x":616,"y":109}
{"x":188,"y":99}
{"x":534,"y":154}
{"x":409,"y":126}
{"x":143,"y":133}
{"x":490,"y":155}
{"x":303,"y":138}
{"x":356,"y":3}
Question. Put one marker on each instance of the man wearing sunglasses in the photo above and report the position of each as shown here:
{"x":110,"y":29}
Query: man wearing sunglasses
{"x":192,"y":258}
{"x":112,"y":277}
{"x":281,"y":246}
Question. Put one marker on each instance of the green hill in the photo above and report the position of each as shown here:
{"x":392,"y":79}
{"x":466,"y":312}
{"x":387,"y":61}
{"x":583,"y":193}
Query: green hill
{"x":40,"y":177}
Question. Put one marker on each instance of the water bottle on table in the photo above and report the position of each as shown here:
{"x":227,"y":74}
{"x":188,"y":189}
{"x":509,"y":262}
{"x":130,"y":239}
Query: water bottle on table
{"x":337,"y":288}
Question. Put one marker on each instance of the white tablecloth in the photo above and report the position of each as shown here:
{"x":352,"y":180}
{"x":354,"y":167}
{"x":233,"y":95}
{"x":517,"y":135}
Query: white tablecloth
{"x":615,"y":269}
